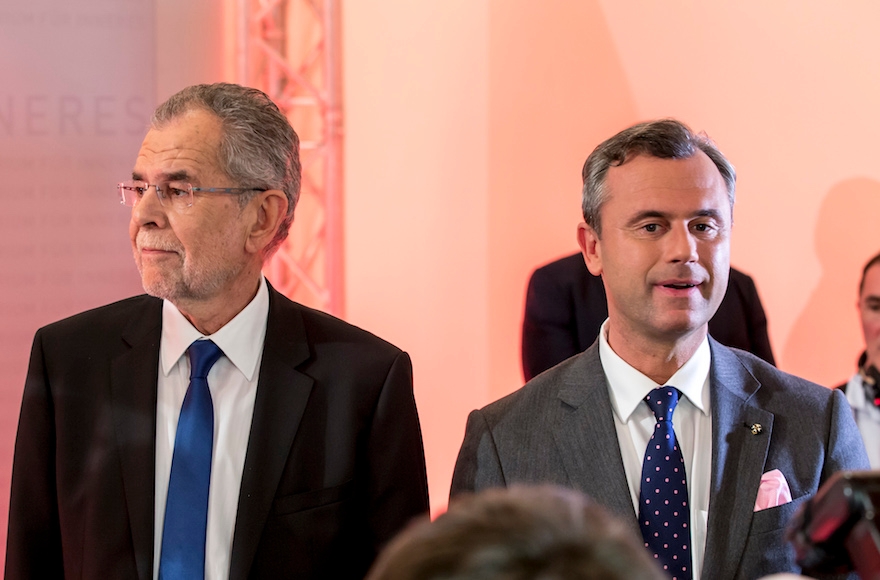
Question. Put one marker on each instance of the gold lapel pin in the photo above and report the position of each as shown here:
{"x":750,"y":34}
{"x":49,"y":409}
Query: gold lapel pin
{"x":756,"y":429}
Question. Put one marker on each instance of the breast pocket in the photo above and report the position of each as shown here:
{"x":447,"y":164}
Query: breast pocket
{"x":775,"y":518}
{"x":299,"y":502}
{"x":308,"y":532}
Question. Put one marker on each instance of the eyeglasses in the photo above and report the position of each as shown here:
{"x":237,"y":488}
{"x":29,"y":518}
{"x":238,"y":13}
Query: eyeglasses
{"x":177,"y":195}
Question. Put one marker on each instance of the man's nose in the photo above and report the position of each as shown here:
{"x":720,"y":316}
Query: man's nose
{"x":149,"y":208}
{"x":682,"y":244}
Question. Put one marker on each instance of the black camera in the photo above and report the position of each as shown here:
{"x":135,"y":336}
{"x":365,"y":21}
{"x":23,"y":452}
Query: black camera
{"x":836,"y":531}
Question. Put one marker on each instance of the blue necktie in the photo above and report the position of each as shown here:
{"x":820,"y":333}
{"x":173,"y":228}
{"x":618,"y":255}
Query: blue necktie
{"x":664,"y":512}
{"x":186,"y":510}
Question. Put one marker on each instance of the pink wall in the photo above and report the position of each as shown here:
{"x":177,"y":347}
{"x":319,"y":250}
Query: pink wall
{"x":416,"y":204}
{"x":557,"y":88}
{"x":75,"y":96}
{"x":467,"y":122}
{"x":504,"y":99}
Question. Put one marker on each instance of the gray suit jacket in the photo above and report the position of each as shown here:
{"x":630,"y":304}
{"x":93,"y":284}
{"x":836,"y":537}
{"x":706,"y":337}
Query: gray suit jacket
{"x":559,"y":429}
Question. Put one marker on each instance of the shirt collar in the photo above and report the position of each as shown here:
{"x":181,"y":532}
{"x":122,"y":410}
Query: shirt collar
{"x":241,"y":339}
{"x":855,"y":392}
{"x":629,"y":387}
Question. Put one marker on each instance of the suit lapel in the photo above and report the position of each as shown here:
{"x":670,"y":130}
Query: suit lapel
{"x":738,"y":458}
{"x":134,"y":375}
{"x":587,"y":438}
{"x":282,"y":394}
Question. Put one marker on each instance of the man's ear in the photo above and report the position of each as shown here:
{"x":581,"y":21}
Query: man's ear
{"x":270,"y":209}
{"x":591,"y":248}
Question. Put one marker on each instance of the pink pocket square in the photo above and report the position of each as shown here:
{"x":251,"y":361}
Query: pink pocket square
{"x":773,"y":492}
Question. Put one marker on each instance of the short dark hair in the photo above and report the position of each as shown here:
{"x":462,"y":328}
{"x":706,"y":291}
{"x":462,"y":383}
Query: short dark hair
{"x":666,"y":139}
{"x":258,"y":148}
{"x":871,"y":263}
{"x":520,"y":533}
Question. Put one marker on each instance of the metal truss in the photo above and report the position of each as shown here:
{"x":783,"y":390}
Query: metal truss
{"x":291,"y":50}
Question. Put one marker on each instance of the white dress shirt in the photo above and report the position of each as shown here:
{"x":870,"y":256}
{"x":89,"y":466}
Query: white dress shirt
{"x":867,"y":418}
{"x":692,"y":420}
{"x":233,"y":385}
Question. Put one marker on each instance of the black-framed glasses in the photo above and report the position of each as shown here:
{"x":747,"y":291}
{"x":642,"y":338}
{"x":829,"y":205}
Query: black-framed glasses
{"x":176,"y":195}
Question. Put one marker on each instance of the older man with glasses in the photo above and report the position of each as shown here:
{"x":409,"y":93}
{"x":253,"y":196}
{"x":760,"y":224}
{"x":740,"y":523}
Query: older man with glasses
{"x":212,"y":428}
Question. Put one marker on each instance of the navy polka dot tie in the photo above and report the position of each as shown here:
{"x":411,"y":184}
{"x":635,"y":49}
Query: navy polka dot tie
{"x":664,"y":513}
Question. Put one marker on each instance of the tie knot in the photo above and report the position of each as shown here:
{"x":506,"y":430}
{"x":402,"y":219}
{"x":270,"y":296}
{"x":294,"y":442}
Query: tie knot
{"x":202,"y":356}
{"x":662,"y":401}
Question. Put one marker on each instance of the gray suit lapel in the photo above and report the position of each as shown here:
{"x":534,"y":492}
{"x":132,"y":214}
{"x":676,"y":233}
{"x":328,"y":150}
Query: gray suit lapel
{"x":282,"y":394}
{"x":738,"y":459}
{"x":134,"y":375}
{"x":587,"y":439}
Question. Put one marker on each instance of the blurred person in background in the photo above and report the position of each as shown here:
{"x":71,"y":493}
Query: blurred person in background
{"x":520,"y":533}
{"x":566,"y":305}
{"x":863,"y":389}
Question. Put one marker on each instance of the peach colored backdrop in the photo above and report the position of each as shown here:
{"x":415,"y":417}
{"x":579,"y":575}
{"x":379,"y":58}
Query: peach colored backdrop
{"x":467,"y":122}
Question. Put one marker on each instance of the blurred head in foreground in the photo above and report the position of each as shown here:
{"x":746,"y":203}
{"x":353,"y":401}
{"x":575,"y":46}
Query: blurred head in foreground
{"x":520,"y":533}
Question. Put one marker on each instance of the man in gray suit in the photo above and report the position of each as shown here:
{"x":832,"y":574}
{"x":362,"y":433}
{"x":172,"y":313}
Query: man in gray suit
{"x":754,"y":442}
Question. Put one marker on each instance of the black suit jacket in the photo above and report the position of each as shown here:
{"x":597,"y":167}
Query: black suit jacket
{"x":566,"y":305}
{"x":334,"y":464}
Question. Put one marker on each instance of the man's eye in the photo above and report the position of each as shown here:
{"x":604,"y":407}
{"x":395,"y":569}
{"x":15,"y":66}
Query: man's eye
{"x":651,"y":228}
{"x":176,"y":189}
{"x":138,"y":191}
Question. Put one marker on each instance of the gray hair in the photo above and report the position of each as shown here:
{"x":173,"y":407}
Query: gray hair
{"x":666,"y":139}
{"x":258,"y":148}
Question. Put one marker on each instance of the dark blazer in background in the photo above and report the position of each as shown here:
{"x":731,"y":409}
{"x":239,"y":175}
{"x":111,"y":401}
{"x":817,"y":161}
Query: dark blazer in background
{"x":566,"y":305}
{"x":334,"y":464}
{"x":559,"y":429}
